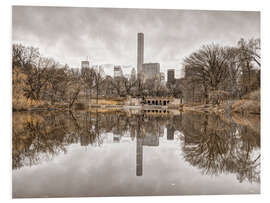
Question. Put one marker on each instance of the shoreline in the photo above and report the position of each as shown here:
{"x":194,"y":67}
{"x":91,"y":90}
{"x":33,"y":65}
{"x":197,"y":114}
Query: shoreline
{"x":199,"y":108}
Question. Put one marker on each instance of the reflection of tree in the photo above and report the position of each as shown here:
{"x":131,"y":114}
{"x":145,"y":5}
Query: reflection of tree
{"x":33,"y":139}
{"x":36,"y":137}
{"x":217,"y":147}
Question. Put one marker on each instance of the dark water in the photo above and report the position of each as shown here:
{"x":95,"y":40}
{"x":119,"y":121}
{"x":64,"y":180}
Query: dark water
{"x":113,"y":154}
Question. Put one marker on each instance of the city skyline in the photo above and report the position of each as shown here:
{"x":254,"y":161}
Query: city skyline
{"x":111,"y":39}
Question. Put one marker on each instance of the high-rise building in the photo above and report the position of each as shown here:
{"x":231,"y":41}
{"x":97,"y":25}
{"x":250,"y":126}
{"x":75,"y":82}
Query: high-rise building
{"x":162,"y":78}
{"x":170,"y":76}
{"x":85,"y":64}
{"x":127,"y":76}
{"x":151,"y":70}
{"x":117,"y":71}
{"x":140,"y":54}
{"x":133,"y":74}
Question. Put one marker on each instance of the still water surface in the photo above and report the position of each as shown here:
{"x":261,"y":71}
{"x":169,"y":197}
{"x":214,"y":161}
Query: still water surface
{"x":84,"y":154}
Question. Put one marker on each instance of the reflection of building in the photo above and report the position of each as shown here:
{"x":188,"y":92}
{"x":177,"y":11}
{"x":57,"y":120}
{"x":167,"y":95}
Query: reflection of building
{"x":170,"y":76}
{"x":85,"y":64}
{"x":116,"y":138}
{"x":151,"y":70}
{"x":140,"y":54}
{"x":132,"y":133}
{"x":84,"y":140}
{"x":148,"y":139}
{"x":170,"y":133}
{"x":118,"y":71}
{"x":161,"y":130}
{"x":151,"y":140}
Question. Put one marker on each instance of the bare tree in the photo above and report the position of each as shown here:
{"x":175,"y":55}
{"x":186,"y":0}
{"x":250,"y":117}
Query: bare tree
{"x":118,"y":85}
{"x":74,"y":86}
{"x":24,"y":56}
{"x":129,"y":85}
{"x":37,"y":77}
{"x":250,"y":50}
{"x":88,"y":75}
{"x":209,"y":66}
{"x":98,"y":80}
{"x":57,"y":82}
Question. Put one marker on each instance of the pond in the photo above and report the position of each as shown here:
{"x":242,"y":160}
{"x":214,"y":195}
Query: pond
{"x":90,"y":154}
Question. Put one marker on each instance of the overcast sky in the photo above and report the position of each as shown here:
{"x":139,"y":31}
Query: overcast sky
{"x":109,"y":36}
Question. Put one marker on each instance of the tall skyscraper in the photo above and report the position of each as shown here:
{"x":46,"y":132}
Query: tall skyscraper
{"x":140,"y":49}
{"x":85,"y":64}
{"x":162,"y":78}
{"x":170,"y":76}
{"x":118,"y":71}
{"x":133,"y":74}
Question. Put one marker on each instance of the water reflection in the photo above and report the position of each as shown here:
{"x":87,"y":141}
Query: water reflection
{"x":215,"y":145}
{"x":218,"y":147}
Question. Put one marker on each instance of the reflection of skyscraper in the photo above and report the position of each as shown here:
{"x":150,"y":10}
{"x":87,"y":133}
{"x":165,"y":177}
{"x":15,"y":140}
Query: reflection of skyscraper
{"x":161,"y":130}
{"x":150,"y":140}
{"x":132,"y":133}
{"x":116,"y":139}
{"x":140,"y":54}
{"x":170,"y":133}
{"x":139,"y":157}
{"x":84,"y":139}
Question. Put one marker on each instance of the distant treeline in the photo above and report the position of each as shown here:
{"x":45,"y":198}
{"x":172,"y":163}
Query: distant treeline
{"x":213,"y":73}
{"x":37,"y":80}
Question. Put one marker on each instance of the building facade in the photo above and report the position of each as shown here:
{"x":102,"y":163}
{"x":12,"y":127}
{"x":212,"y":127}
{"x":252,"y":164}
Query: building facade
{"x":151,"y":70}
{"x":85,"y":64}
{"x":170,"y":76}
{"x":117,"y":72}
{"x":162,"y":78}
{"x":133,"y":74}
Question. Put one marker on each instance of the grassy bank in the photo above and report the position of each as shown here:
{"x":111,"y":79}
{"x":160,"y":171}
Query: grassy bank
{"x":249,"y":104}
{"x":23,"y":104}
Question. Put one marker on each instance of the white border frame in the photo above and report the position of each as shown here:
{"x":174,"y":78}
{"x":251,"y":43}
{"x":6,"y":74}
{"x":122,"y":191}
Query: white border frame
{"x":5,"y":53}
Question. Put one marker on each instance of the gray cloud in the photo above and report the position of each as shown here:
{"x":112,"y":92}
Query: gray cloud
{"x":109,"y":35}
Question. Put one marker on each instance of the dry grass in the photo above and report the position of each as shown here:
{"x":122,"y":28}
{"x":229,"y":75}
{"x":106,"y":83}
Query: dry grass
{"x":255,"y":95}
{"x":247,"y":106}
{"x":19,"y":119}
{"x":106,"y":102}
{"x":22,"y":103}
{"x":252,"y":121}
